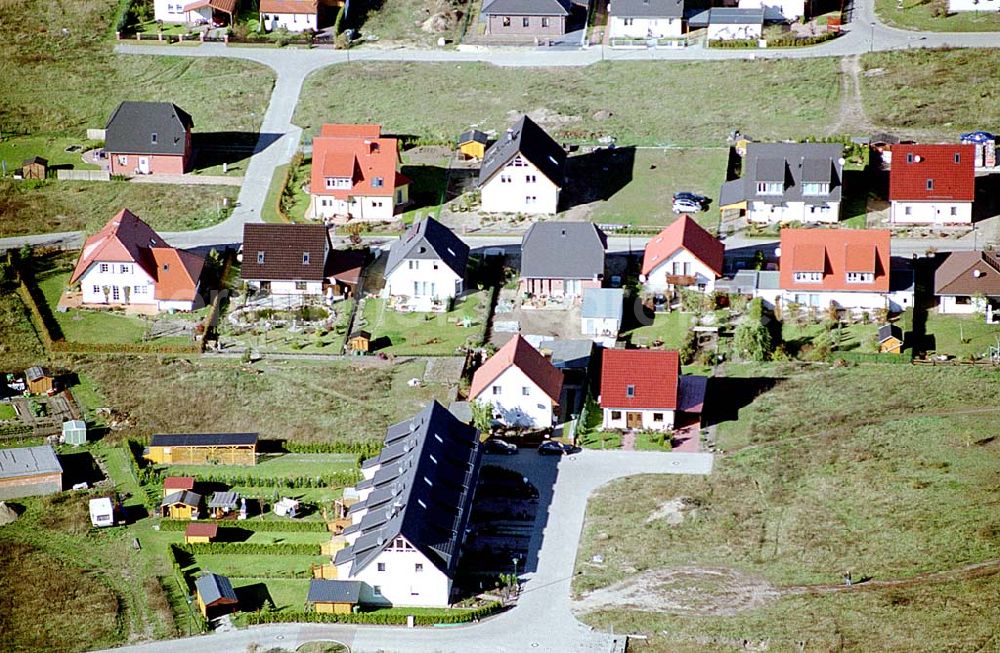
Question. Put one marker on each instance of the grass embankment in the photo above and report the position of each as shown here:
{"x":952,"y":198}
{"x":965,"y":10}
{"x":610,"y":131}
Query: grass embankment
{"x":874,"y":470}
{"x":919,"y":15}
{"x":19,"y":347}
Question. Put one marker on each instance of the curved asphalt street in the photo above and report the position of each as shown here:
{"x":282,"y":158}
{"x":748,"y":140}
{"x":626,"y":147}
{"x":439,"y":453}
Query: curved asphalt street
{"x":541,"y":621}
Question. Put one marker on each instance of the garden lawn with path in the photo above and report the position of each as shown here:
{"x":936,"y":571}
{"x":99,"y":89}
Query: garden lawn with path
{"x":883,"y":471}
{"x":935,"y":17}
{"x":427,"y":334}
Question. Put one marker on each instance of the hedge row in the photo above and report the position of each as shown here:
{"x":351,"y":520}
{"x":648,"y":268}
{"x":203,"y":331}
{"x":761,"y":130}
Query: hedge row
{"x":366,"y":449}
{"x":336,"y":479}
{"x":858,"y":357}
{"x":378,"y":617}
{"x":250,"y":548}
{"x":256,"y":525}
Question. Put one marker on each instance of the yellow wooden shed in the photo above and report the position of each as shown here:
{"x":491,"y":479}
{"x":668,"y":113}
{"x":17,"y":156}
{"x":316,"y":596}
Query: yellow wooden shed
{"x":472,"y":144}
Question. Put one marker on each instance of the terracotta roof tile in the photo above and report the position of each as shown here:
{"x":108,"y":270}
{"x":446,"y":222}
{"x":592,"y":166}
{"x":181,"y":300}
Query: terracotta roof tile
{"x":688,"y":234}
{"x":520,"y":354}
{"x":202,"y":529}
{"x":915,"y":167}
{"x":357,"y":152}
{"x":178,"y":483}
{"x":653,"y":376}
{"x":835,"y":252}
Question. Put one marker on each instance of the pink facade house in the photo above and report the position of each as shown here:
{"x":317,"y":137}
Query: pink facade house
{"x":562,"y":259}
{"x":148,"y":138}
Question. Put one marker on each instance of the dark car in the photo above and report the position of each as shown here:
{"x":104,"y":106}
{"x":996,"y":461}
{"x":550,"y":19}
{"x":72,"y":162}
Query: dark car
{"x":553,"y":448}
{"x":498,"y":446}
{"x":691,"y":197}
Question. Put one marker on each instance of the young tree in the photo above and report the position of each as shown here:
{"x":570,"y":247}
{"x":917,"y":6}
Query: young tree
{"x":482,"y":416}
{"x":752,"y":338}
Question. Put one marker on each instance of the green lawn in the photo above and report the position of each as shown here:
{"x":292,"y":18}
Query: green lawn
{"x":800,"y":337}
{"x":14,"y":151}
{"x":259,"y":566}
{"x":671,"y":328}
{"x":20,"y":347}
{"x":29,"y":207}
{"x":7,"y":412}
{"x":647,"y":195}
{"x":283,"y":339}
{"x":288,"y":465}
{"x":873,"y":470}
{"x":426,"y":334}
{"x":926,"y":90}
{"x":919,"y":15}
{"x":285,"y":593}
{"x":303,"y":401}
{"x":960,"y":335}
{"x":777,"y":99}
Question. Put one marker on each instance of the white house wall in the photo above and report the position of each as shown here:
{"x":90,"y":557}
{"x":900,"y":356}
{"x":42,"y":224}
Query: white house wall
{"x":509,"y":189}
{"x":169,"y":11}
{"x":429,"y":278}
{"x":974,"y":5}
{"x":777,"y":9}
{"x":827,"y":213}
{"x":850,"y":300}
{"x":291,"y":22}
{"x":512,"y":406}
{"x":733,"y":32}
{"x":647,"y":419}
{"x":949,"y":305}
{"x":600,"y":326}
{"x":400,"y":584}
{"x":930,"y":212}
{"x":117,"y":276}
{"x":656,"y":281}
{"x":366,"y":208}
{"x":289,"y":287}
{"x":643,"y":28}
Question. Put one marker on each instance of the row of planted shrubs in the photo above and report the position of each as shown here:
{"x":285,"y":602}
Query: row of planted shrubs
{"x":260,"y":526}
{"x":366,"y":449}
{"x":782,"y":42}
{"x":861,"y":357}
{"x":378,"y":617}
{"x":341,"y":478}
{"x":250,"y":548}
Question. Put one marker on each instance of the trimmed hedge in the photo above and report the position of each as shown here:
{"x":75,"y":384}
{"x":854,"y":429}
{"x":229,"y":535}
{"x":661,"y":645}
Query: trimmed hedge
{"x":250,"y":548}
{"x":394,"y":616}
{"x":858,"y":357}
{"x":337,"y":479}
{"x":256,"y":525}
{"x":367,"y":449}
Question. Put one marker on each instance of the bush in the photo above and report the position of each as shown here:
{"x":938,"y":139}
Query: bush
{"x":256,"y":525}
{"x":336,"y":479}
{"x":250,"y":548}
{"x":396,"y":616}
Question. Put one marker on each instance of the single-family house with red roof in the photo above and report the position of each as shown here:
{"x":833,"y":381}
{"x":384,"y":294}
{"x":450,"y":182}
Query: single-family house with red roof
{"x":355,"y":175}
{"x":207,"y":12}
{"x":845,"y":268}
{"x":683,"y":255}
{"x":932,"y":184}
{"x":292,"y":15}
{"x":639,"y":389}
{"x":521,"y":384}
{"x":126,"y":263}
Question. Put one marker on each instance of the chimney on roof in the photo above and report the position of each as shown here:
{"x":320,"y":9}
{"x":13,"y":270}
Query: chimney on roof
{"x":510,"y":134}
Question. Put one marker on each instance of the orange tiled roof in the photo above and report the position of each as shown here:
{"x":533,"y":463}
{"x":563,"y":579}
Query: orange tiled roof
{"x":687,"y":234}
{"x":834,"y":253}
{"x":520,"y":354}
{"x":357,"y":152}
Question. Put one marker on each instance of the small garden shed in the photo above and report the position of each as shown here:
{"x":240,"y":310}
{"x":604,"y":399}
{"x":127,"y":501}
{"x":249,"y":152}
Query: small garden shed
{"x":34,"y":168}
{"x":40,"y":380}
{"x":334,"y":596}
{"x":472,"y":144}
{"x":359,"y":342}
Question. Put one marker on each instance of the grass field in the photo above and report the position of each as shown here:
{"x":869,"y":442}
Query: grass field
{"x":873,"y":470}
{"x":959,"y":335}
{"x":298,"y":400}
{"x":283,"y":339}
{"x":778,"y":99}
{"x":31,"y":208}
{"x":288,"y":465}
{"x":671,"y":328}
{"x":926,"y":90}
{"x":14,"y":151}
{"x":19,"y":347}
{"x":426,"y":334}
{"x":919,"y":15}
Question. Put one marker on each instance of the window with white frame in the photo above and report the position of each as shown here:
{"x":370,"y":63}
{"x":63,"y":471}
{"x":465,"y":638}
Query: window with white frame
{"x":504,"y":179}
{"x":104,"y":267}
{"x":860,"y":277}
{"x":418,"y":567}
{"x":770,"y":188}
{"x":260,"y":258}
{"x":381,"y":566}
{"x":140,"y":290}
{"x":907,"y":210}
{"x":530,"y":179}
{"x":525,"y":391}
{"x":616,"y":415}
{"x":96,"y":289}
{"x":815,"y":188}
{"x":497,"y":390}
{"x":300,"y":285}
{"x":377,"y":590}
{"x":630,"y":391}
{"x":530,"y":199}
{"x":305,"y":258}
{"x":657,"y":417}
{"x":808,"y":277}
{"x":338,"y":182}
{"x":124,"y":269}
{"x":122,"y":160}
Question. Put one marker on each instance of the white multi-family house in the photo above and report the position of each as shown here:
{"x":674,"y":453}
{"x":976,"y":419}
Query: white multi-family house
{"x":639,"y":389}
{"x":521,"y":385}
{"x":788,"y":182}
{"x":932,"y":184}
{"x":683,"y":255}
{"x":645,"y":19}
{"x":426,"y":267}
{"x":285,"y":259}
{"x":523,"y":172}
{"x":126,"y":263}
{"x":410,"y":522}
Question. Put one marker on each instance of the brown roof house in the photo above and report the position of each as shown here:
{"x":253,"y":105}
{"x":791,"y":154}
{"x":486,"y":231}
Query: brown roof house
{"x":286,"y":259}
{"x":526,"y":19}
{"x":968,"y":282}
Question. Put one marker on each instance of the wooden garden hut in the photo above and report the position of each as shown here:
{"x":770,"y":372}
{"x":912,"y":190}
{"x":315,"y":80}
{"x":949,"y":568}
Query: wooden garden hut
{"x":215,"y":595}
{"x":359,"y":342}
{"x":40,"y":380}
{"x":472,"y":144}
{"x":200,"y":533}
{"x":34,"y":168}
{"x":334,"y":596}
{"x":181,"y":505}
{"x":173,"y":484}
{"x":223,"y":503}
{"x":890,"y":339}
{"x":203,"y":448}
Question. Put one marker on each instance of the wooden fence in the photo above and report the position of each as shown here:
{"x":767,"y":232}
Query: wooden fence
{"x":83,"y":175}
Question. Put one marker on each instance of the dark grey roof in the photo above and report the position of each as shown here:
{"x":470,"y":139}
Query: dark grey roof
{"x":36,"y":159}
{"x":429,"y":239}
{"x":203,"y":439}
{"x":28,"y":461}
{"x":568,"y":354}
{"x":133,"y":124}
{"x":735,"y":16}
{"x":647,"y":8}
{"x":563,"y":250}
{"x":526,"y":8}
{"x":791,"y":164}
{"x":187,"y":497}
{"x":886,"y":331}
{"x":224,"y":500}
{"x":35,"y":373}
{"x":334,"y":591}
{"x":533,"y":143}
{"x":213,"y":587}
{"x":473,"y":135}
{"x":424,"y":495}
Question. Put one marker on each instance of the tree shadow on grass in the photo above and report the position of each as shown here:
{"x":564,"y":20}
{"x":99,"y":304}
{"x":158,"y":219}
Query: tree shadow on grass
{"x":726,"y":396}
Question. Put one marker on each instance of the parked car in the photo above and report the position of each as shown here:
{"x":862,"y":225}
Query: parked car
{"x":498,"y":446}
{"x":687,"y":206}
{"x":553,"y":448}
{"x":700,"y":200}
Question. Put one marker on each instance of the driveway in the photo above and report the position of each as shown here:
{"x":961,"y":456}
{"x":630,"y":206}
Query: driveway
{"x":542,"y":620}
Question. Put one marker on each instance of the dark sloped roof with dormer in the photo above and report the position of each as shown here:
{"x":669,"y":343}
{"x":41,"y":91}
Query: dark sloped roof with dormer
{"x":429,"y":239}
{"x":533,"y":144}
{"x":284,"y":252}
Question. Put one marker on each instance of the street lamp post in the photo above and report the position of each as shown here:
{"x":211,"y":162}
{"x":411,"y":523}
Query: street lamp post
{"x":871,"y":43}
{"x":517,"y":581}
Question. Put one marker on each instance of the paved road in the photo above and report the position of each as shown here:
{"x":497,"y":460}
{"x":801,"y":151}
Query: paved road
{"x":542,"y":620}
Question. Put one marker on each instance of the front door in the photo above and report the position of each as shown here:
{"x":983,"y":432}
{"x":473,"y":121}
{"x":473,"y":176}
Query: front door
{"x":144,"y":165}
{"x":633,"y":420}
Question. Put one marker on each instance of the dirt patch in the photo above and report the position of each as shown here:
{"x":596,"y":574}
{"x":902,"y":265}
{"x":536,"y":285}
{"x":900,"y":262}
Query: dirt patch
{"x":546,"y":118}
{"x":687,"y":591}
{"x":673,"y":511}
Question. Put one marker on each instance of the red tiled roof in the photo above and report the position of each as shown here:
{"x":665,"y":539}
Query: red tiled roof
{"x":288,"y":6}
{"x":178,"y":483}
{"x":688,"y":234}
{"x":834,"y":252}
{"x":127,"y":239}
{"x":518,"y":353}
{"x":358,"y":152}
{"x":914,"y":165}
{"x":225,"y":6}
{"x":652,"y":374}
{"x":202,"y":529}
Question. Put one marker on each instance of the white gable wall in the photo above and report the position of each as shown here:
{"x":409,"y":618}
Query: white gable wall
{"x":617,"y":418}
{"x":777,"y":9}
{"x":517,"y":400}
{"x":400,"y":583}
{"x":657,"y":279}
{"x":520,"y":189}
{"x":643,"y":28}
{"x":423,"y":278}
{"x":901,"y":212}
{"x":727,"y":32}
{"x":291,"y":22}
{"x":827,"y":213}
{"x":116,"y":277}
{"x":974,"y":5}
{"x":603,"y":327}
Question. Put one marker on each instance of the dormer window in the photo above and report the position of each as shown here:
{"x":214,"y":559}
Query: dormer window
{"x":958,"y":157}
{"x":770,"y":188}
{"x":909,"y":157}
{"x":808,"y":277}
{"x":860,"y":277}
{"x":378,"y":182}
{"x":260,"y":258}
{"x":630,"y":391}
{"x":337,"y":182}
{"x":815,"y":188}
{"x":305,"y":258}
{"x":154,"y":138}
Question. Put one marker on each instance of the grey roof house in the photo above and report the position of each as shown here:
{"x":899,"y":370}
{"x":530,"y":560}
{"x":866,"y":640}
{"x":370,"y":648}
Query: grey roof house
{"x":526,"y":19}
{"x":428,"y":261}
{"x":148,"y":138}
{"x":785,"y":182}
{"x":523,"y":171}
{"x":645,"y":18}
{"x":413,"y":513}
{"x":561,"y":259}
{"x":29,"y":471}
